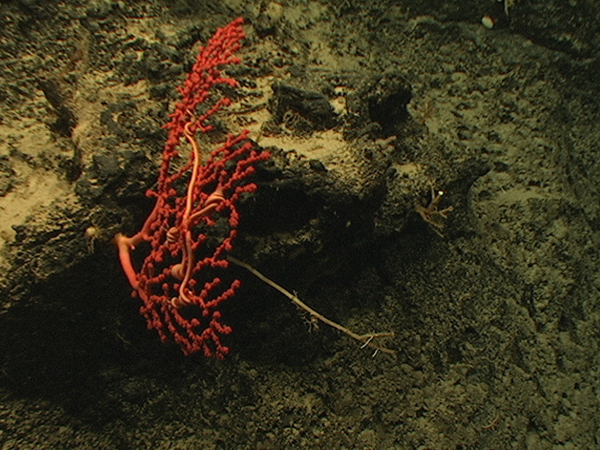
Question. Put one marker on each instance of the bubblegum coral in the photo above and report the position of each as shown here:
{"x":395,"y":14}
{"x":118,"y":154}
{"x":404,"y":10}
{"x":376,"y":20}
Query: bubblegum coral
{"x":192,"y":199}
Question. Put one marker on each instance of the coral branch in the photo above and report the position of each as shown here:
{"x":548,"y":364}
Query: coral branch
{"x":368,"y":340}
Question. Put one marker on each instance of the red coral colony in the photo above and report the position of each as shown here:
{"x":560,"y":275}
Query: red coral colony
{"x":189,"y":201}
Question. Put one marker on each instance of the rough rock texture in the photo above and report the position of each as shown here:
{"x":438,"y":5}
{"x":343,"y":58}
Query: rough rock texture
{"x":366,"y":109}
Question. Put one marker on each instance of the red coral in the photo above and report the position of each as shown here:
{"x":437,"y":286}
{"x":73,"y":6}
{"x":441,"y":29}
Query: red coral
{"x":195,"y":219}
